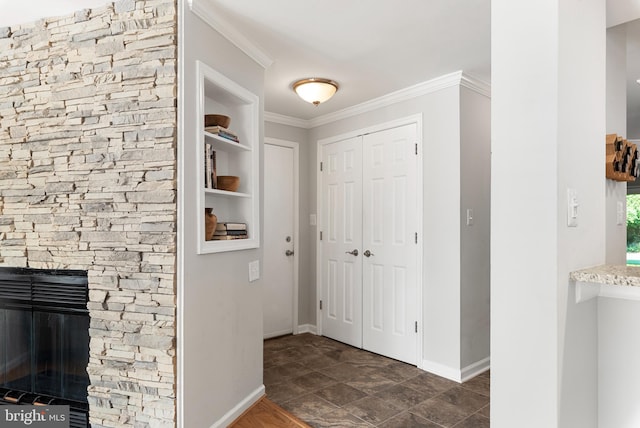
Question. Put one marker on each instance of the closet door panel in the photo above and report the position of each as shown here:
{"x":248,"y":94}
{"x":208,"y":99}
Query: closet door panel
{"x":389,"y":222}
{"x":342,"y":268}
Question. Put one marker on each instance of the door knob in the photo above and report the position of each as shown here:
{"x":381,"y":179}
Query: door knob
{"x":288,"y":253}
{"x":353,"y":253}
{"x":368,"y":253}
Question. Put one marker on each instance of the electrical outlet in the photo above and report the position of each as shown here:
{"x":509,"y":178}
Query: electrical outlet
{"x":254,"y":270}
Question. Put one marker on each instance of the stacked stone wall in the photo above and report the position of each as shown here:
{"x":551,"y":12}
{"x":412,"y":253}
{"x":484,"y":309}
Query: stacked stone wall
{"x":88,"y":181}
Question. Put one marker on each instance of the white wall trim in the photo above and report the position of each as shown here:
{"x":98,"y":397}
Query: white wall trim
{"x":476,"y":85}
{"x":307,"y":328}
{"x":240,"y":408}
{"x":296,"y":222}
{"x":442,"y":370}
{"x":180,"y":232}
{"x":286,"y":120}
{"x":206,"y":11}
{"x":420,"y":89}
{"x":457,"y":375}
{"x":277,"y":334}
{"x":473,"y":370}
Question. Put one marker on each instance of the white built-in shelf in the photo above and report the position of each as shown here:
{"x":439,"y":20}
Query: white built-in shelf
{"x":218,"y":94}
{"x":226,"y":193}
{"x":220,"y":143}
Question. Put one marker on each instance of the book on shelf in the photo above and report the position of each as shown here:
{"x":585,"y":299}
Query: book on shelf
{"x":229,"y":237}
{"x":230,"y":232}
{"x":231,"y":226}
{"x":222,"y":132}
{"x":207,"y":167}
{"x":214,"y":170}
{"x":210,"y":173}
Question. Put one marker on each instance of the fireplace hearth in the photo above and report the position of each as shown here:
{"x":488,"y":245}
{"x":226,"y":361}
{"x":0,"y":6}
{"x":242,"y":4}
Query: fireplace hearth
{"x":44,"y":339}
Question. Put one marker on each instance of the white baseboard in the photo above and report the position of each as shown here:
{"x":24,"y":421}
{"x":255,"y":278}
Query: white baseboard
{"x":441,"y":370}
{"x":276,"y":334}
{"x":473,"y":370}
{"x":240,"y":408}
{"x":307,"y":328}
{"x":457,"y":375}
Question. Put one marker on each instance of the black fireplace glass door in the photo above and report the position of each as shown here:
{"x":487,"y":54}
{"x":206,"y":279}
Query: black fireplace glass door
{"x":61,"y":354}
{"x":15,"y":349}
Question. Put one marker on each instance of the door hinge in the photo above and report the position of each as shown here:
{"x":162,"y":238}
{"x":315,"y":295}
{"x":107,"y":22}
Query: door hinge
{"x":416,"y":237}
{"x":320,"y":166}
{"x":321,"y":235}
{"x":416,"y":148}
{"x":416,"y":326}
{"x":320,"y":304}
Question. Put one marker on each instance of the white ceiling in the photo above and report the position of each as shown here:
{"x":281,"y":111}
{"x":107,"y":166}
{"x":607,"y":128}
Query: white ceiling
{"x":370,"y":47}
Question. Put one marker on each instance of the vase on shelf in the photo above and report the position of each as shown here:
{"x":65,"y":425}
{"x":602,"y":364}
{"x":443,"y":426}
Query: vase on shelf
{"x":210,"y":223}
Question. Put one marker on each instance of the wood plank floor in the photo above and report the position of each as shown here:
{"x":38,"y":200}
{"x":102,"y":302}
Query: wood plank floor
{"x":267,"y":414}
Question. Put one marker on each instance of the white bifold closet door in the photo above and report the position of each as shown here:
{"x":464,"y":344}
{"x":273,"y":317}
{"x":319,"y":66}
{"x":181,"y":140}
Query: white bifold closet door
{"x":369,"y":250}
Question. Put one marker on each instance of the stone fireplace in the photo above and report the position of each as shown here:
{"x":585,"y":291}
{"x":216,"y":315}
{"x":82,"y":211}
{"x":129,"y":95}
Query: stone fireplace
{"x":88,"y":182}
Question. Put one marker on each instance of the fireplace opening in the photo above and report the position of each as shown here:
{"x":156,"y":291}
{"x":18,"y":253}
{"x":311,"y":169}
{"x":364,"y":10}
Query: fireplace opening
{"x":44,"y":339}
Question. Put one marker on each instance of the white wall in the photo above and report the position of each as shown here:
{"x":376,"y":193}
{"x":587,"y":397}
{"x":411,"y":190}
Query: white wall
{"x":618,"y":344}
{"x":619,"y":353}
{"x":552,"y":120}
{"x":220,"y":312}
{"x":616,"y":191}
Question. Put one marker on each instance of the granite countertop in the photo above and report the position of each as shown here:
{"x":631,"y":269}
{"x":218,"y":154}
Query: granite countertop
{"x":609,"y":274}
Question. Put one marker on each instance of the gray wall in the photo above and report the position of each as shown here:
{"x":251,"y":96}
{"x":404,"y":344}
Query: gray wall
{"x":306,"y":282}
{"x":447,"y":345}
{"x":616,"y":111}
{"x":475,"y":193}
{"x":220,"y":312}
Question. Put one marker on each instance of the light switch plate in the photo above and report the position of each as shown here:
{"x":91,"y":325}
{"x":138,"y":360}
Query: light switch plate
{"x":254,"y":270}
{"x":620,"y":213}
{"x":572,"y":208}
{"x":313,"y":220}
{"x":469,"y":217}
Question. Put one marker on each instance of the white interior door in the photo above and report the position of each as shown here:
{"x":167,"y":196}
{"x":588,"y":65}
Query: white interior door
{"x":369,"y":205}
{"x":342,"y":241}
{"x":389,"y":243}
{"x":279,"y":257}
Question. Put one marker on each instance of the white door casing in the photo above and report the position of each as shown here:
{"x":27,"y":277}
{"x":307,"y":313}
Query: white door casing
{"x":389,"y":247}
{"x":280,"y":273}
{"x":342,"y":237}
{"x":389,"y":295}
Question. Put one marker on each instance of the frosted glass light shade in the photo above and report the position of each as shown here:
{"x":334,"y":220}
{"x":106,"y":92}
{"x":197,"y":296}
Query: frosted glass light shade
{"x":315,"y":90}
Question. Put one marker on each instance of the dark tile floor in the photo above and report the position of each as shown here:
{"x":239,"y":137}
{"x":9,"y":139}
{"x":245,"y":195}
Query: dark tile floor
{"x":330,"y":384}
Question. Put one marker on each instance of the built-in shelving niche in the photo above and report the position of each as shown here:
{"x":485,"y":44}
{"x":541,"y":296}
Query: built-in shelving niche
{"x":220,"y":95}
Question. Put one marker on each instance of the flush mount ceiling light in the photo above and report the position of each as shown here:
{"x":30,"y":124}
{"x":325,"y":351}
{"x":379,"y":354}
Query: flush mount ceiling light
{"x":315,"y":90}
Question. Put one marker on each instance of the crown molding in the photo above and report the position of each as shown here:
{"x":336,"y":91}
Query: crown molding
{"x":204,"y":10}
{"x":457,"y":78}
{"x":442,"y":82}
{"x":476,"y":85}
{"x":286,"y":120}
